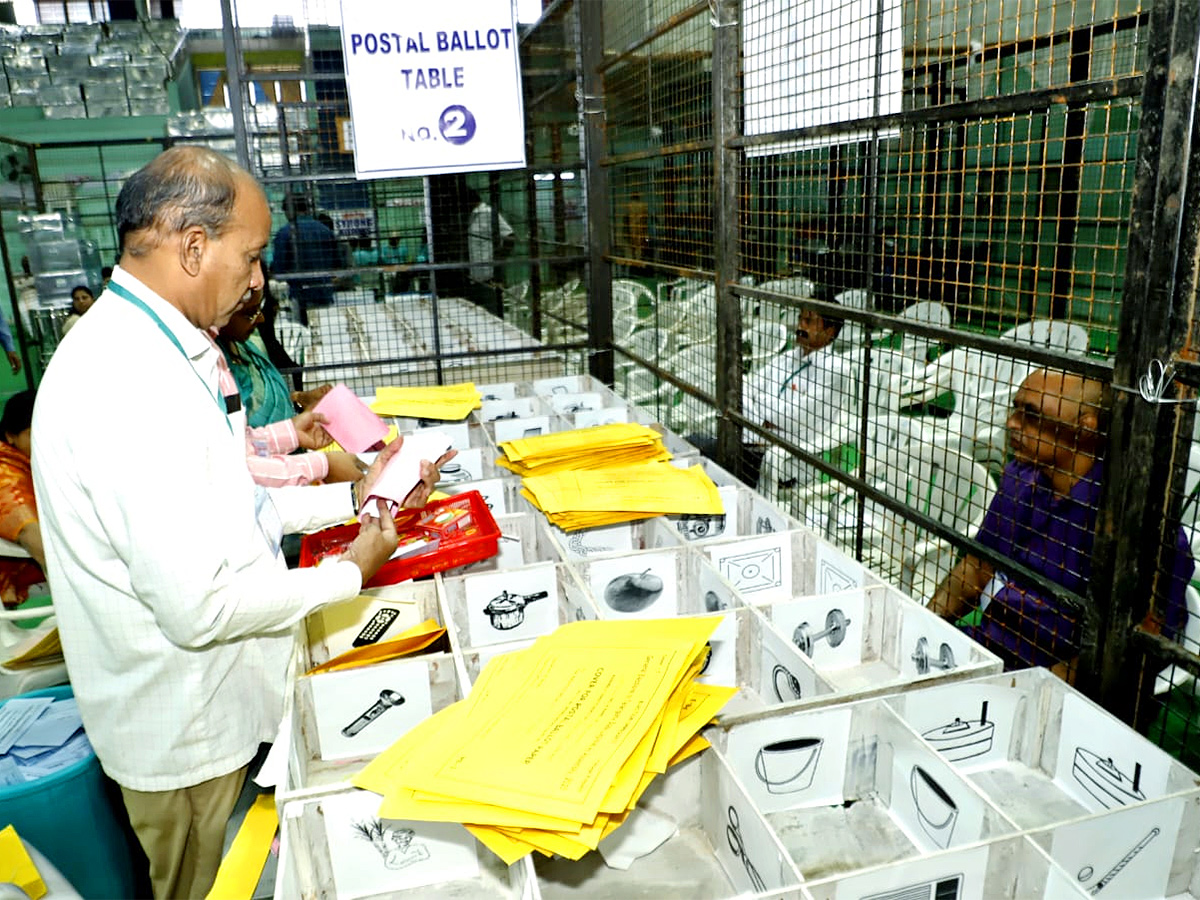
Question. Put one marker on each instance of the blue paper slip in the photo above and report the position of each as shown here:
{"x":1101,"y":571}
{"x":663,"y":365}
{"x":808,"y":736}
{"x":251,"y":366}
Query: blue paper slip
{"x":10,"y":772}
{"x":71,"y":752}
{"x":18,"y":714}
{"x":52,"y":728}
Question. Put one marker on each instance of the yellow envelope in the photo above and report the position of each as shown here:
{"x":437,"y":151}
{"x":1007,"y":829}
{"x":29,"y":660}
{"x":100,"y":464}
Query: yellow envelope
{"x":449,"y":402}
{"x":406,"y":643}
{"x":35,"y":651}
{"x":17,"y":866}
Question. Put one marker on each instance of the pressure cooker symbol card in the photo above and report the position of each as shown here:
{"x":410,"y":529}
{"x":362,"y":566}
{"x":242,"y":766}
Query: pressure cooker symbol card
{"x":510,"y":605}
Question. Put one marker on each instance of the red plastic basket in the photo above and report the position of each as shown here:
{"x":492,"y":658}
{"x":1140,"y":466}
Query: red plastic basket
{"x":444,"y":534}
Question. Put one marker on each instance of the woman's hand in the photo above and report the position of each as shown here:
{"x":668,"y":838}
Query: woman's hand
{"x":345,"y":467}
{"x":306,"y":400}
{"x":310,"y":431}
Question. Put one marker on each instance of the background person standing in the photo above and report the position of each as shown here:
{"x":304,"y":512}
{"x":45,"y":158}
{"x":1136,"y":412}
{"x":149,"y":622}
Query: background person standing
{"x":305,"y":245}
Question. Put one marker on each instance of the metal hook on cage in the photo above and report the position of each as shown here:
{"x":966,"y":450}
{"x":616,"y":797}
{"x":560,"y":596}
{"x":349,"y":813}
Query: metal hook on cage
{"x":1153,"y":384}
{"x":714,"y":17}
{"x":583,"y":99}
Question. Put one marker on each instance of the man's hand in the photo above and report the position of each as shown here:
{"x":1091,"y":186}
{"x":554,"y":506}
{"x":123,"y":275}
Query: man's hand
{"x":306,"y":400}
{"x":430,"y":475}
{"x":14,"y":360}
{"x":376,"y":542}
{"x":309,"y":430}
{"x":381,"y":460}
{"x":345,"y":467}
{"x":960,"y":590}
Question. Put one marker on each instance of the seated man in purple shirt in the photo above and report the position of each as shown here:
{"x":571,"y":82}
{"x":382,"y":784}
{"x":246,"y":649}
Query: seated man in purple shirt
{"x":1044,"y":517}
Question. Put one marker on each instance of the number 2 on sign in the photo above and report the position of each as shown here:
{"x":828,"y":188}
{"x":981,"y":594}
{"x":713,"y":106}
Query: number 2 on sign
{"x":457,"y":124}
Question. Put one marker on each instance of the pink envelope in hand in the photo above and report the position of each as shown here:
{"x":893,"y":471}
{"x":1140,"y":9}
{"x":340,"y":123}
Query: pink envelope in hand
{"x":403,"y":471}
{"x":351,"y":422}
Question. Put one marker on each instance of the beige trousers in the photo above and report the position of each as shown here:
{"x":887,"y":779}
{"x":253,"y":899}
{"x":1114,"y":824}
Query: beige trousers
{"x":183,"y":833}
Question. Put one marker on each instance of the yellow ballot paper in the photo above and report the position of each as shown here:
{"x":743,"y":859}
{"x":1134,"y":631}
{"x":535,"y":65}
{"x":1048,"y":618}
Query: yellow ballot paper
{"x":600,"y":447}
{"x":449,"y":402}
{"x":557,"y":742}
{"x":241,"y":869}
{"x":582,"y":499}
{"x":406,"y":643}
{"x":37,"y":649}
{"x":16,"y":865}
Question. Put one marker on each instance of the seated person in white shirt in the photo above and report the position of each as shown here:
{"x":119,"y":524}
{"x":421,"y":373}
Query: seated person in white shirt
{"x":792,"y":394}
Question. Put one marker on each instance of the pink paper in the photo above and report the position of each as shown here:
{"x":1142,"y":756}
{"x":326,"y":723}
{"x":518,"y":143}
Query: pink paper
{"x":351,"y":422}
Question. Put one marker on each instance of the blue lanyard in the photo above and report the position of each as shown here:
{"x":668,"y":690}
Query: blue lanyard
{"x":125,"y":294}
{"x":804,"y":365}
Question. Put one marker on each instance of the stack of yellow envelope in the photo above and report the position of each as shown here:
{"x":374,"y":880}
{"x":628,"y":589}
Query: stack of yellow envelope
{"x":555,"y":744}
{"x":574,"y":500}
{"x":449,"y":402}
{"x":601,"y":447}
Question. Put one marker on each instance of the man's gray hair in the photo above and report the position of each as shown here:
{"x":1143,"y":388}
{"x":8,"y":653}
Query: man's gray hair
{"x":181,"y":188}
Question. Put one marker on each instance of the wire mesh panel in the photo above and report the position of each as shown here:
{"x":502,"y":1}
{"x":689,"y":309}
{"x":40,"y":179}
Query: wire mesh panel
{"x":1169,"y":699}
{"x":658,"y":112}
{"x":60,"y":234}
{"x":932,"y":168}
{"x":452,"y":277}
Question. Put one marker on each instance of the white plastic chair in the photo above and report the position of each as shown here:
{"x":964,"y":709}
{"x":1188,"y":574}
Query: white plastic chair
{"x":927,"y":312}
{"x":851,"y":335}
{"x":762,"y":341}
{"x":1173,"y":676}
{"x":632,"y":302}
{"x":640,"y":385}
{"x":937,"y":481}
{"x":794,"y":287}
{"x":1052,"y":334}
{"x":695,"y":316}
{"x":798,"y":287}
{"x":892,"y":371}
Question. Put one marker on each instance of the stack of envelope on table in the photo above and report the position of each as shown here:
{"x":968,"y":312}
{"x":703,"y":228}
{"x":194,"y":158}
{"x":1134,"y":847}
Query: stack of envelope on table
{"x":601,"y":447}
{"x":449,"y":402}
{"x":555,"y":744}
{"x":586,"y":499}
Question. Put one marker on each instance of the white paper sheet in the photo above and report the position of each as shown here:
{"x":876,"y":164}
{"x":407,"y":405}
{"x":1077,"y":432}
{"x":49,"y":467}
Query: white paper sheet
{"x":373,"y":857}
{"x":394,"y":696}
{"x":643,"y":832}
{"x":53,"y":727}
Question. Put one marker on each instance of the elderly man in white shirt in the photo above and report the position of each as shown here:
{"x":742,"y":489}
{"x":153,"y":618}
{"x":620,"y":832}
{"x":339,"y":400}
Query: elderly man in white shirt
{"x":175,"y":607}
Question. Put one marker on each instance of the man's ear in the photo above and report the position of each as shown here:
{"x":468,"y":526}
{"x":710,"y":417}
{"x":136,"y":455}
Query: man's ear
{"x":1089,"y":423}
{"x":192,"y":245}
